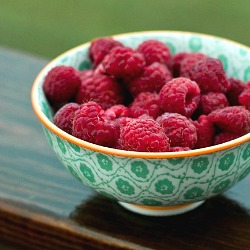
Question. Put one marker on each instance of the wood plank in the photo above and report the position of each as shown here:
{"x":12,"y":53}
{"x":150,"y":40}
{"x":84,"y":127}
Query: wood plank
{"x":43,"y":207}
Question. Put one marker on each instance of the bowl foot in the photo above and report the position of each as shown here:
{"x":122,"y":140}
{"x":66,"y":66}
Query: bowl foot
{"x":160,"y":210}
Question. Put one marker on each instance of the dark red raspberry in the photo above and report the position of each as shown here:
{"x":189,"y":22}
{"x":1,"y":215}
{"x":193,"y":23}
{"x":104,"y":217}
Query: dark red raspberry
{"x":100,"y":47}
{"x":209,"y":74}
{"x":180,"y":95}
{"x":236,"y":87}
{"x":64,"y":117}
{"x":225,"y":137}
{"x":233,"y":119}
{"x":143,"y":135}
{"x":155,"y":51}
{"x":61,"y":84}
{"x":212,"y":101}
{"x":123,"y":62}
{"x":175,"y":63}
{"x":244,"y":97}
{"x":151,"y":80}
{"x":146,"y":103}
{"x":179,"y":129}
{"x":205,"y":132}
{"x":89,"y":124}
{"x":117,"y":111}
{"x":179,"y":149}
{"x":188,"y":61}
{"x":101,"y":89}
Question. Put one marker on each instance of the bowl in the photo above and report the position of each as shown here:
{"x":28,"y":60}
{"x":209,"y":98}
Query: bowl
{"x":152,"y":183}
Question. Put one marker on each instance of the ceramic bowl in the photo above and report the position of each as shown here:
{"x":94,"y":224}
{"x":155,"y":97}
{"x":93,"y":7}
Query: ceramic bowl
{"x":152,"y":183}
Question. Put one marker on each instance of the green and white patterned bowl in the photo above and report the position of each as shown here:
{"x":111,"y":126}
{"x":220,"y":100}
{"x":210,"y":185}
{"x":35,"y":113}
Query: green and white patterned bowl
{"x":153,"y":183}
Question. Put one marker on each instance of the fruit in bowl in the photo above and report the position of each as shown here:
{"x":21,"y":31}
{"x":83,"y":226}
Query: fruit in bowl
{"x":158,"y":121}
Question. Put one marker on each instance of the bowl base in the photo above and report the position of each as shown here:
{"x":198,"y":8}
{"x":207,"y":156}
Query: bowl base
{"x":160,"y":210}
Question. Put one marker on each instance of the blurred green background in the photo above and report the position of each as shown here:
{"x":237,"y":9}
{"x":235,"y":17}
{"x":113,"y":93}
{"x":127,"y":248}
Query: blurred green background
{"x":49,"y":27}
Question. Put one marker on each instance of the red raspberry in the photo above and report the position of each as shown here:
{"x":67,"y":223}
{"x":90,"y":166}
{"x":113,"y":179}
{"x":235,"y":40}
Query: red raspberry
{"x":143,"y":135}
{"x":117,"y":111}
{"x":89,"y":124}
{"x":212,"y":101}
{"x":225,"y":137}
{"x":146,"y":103}
{"x":175,"y":63}
{"x":155,"y":51}
{"x":61,"y":84}
{"x":86,"y":74}
{"x":210,"y":75}
{"x":64,"y":116}
{"x":179,"y":129}
{"x":233,"y":119}
{"x":244,"y":97}
{"x":188,"y":62}
{"x":236,"y":87}
{"x":205,"y":132}
{"x":180,"y":95}
{"x":123,"y":62}
{"x":151,"y":80}
{"x":101,"y":89}
{"x":100,"y":47}
{"x":179,"y":149}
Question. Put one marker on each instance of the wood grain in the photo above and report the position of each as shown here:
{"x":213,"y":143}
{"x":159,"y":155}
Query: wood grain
{"x":43,"y":207}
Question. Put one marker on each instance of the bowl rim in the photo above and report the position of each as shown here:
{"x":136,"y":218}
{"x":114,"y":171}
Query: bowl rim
{"x":118,"y":152}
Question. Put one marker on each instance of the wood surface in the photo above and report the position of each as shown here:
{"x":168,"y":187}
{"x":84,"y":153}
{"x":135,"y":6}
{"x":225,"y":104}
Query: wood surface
{"x":43,"y":207}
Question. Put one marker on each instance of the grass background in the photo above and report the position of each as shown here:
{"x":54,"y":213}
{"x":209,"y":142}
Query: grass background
{"x":49,"y":27}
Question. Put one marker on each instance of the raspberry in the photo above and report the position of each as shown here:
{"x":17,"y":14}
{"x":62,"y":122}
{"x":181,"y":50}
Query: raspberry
{"x":233,"y":119}
{"x":179,"y":129}
{"x":61,"y":84}
{"x":123,"y":62}
{"x":180,"y":95}
{"x":225,"y":137}
{"x":175,"y":63}
{"x":212,"y":101}
{"x":236,"y":87}
{"x":179,"y":149}
{"x":100,"y":47}
{"x":85,"y":74}
{"x":244,"y":97}
{"x":146,"y":103}
{"x":117,"y":111}
{"x":188,"y":62}
{"x":101,"y":89}
{"x":89,"y":124}
{"x":205,"y":132}
{"x":143,"y":135}
{"x":155,"y":51}
{"x":151,"y":80}
{"x":209,"y":74}
{"x":64,"y":116}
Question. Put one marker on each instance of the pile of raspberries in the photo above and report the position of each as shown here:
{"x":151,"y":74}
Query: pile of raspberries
{"x":148,"y":100}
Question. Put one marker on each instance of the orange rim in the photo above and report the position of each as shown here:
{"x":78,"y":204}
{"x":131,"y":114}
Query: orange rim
{"x":149,"y":155}
{"x":160,"y":208}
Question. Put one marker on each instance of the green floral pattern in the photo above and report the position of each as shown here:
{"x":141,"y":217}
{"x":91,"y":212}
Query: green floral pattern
{"x":158,"y":182}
